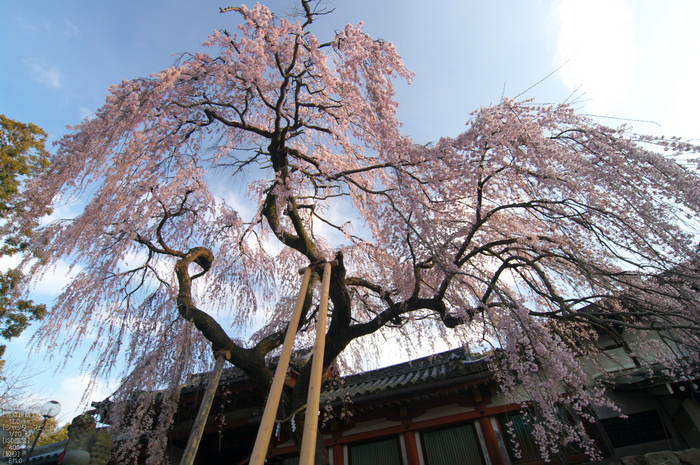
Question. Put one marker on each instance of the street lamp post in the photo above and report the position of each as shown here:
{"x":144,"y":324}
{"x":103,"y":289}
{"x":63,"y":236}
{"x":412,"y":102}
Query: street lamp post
{"x":49,"y":410}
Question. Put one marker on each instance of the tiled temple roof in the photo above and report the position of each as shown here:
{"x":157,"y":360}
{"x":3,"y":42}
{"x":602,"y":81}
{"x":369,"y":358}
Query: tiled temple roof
{"x":444,"y":366}
{"x":48,"y":453}
{"x":427,"y":370}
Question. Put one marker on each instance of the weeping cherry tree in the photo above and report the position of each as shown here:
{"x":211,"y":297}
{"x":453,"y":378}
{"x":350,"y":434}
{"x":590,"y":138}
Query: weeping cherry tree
{"x":528,"y":234}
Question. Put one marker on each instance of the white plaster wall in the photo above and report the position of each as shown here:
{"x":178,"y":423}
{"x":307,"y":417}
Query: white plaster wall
{"x":371,"y":426}
{"x":439,"y":412}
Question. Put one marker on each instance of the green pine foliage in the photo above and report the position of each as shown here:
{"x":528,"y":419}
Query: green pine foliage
{"x":22,"y":155}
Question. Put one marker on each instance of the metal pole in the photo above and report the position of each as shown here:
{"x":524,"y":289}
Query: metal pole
{"x":308,"y":444}
{"x":26,"y":460}
{"x":267,"y":423}
{"x":201,"y":420}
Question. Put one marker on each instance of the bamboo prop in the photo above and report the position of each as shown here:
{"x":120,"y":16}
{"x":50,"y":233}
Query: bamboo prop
{"x":308,"y":444}
{"x":203,"y":414}
{"x":267,"y":423}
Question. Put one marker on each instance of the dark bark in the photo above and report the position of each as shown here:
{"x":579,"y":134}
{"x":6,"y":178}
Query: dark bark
{"x":251,"y":361}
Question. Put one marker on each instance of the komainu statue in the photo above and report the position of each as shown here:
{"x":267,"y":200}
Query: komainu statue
{"x":87,"y":445}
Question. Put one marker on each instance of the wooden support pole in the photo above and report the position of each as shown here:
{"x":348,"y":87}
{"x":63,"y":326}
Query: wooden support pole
{"x":308,"y":444}
{"x":201,"y":420}
{"x":267,"y":423}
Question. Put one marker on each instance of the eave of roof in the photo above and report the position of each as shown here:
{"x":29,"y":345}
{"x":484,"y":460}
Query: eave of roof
{"x":444,"y":366}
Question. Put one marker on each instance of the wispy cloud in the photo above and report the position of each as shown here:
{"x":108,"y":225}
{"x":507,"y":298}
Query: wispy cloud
{"x":69,"y":29}
{"x":85,"y":113}
{"x":26,"y":25}
{"x":55,"y":281}
{"x":44,"y":73}
{"x":596,"y":38}
{"x":7,"y":262}
{"x":76,"y":392}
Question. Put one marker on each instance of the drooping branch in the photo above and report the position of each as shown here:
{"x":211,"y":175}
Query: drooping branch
{"x":251,"y":361}
{"x":275,"y":339}
{"x":362,"y":282}
{"x":186,"y":306}
{"x":211,"y":115}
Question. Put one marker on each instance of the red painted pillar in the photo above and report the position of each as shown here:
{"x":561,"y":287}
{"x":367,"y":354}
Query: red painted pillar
{"x":338,"y":456}
{"x":491,"y":441}
{"x":411,"y":448}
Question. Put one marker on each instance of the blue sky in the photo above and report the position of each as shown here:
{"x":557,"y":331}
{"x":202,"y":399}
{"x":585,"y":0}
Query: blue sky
{"x":621,"y":59}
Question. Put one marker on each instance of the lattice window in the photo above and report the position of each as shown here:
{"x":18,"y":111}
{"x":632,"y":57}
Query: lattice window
{"x":637,"y":428}
{"x":385,"y":452}
{"x":452,"y":446}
